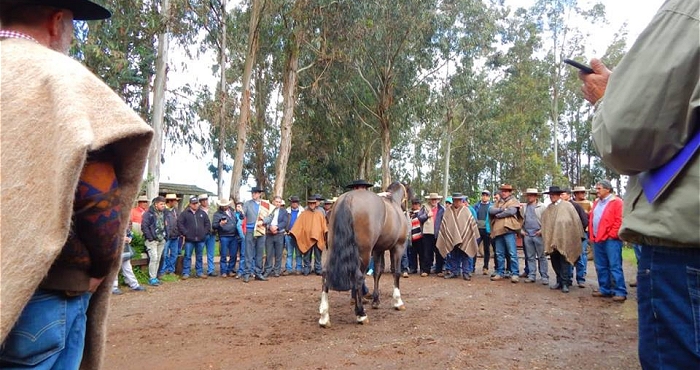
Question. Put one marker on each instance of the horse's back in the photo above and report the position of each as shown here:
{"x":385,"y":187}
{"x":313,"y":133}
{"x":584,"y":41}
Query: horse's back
{"x":367,"y":212}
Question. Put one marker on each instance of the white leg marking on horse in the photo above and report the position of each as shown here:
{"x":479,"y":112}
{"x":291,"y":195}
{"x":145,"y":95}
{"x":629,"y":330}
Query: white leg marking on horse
{"x":362,"y":320}
{"x":325,"y":320}
{"x":398,"y":303}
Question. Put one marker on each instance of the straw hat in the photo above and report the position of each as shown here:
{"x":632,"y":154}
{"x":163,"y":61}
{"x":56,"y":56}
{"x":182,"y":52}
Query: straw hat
{"x":433,"y":196}
{"x":579,"y":189}
{"x":171,"y":197}
{"x":224,"y":203}
{"x":142,"y":198}
{"x":532,"y":191}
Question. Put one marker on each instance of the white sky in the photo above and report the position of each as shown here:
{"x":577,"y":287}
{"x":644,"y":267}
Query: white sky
{"x":186,"y":168}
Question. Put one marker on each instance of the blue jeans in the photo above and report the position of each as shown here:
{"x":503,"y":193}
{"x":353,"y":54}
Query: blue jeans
{"x":582,"y":262}
{"x":172,"y":250}
{"x":254,"y":249}
{"x":241,"y":249}
{"x":209,"y":243}
{"x":292,"y":252}
{"x":49,"y":334}
{"x":228,"y":249}
{"x":506,"y":244}
{"x":404,"y":256}
{"x":608,"y":266}
{"x":198,"y":248}
{"x":668,"y":294}
{"x":459,"y":262}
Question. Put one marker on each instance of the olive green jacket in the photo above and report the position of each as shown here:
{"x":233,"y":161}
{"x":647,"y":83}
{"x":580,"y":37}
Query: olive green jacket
{"x":651,"y":108}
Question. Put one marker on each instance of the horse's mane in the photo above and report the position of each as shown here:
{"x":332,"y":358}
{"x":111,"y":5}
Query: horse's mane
{"x":399,"y":192}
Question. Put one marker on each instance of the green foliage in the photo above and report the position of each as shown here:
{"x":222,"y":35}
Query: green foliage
{"x":138,"y":243}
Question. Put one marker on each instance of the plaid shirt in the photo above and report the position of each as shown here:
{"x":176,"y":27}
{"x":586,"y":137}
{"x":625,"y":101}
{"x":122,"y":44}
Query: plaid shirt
{"x":4,"y":34}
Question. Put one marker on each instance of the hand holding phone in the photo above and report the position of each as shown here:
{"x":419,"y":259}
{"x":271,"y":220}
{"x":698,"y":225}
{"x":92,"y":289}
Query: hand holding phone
{"x":582,"y":67}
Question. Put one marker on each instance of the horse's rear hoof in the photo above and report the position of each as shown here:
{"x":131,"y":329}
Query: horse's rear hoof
{"x":324,"y":325}
{"x":400,"y":308}
{"x":362,"y":320}
{"x":375,"y":305}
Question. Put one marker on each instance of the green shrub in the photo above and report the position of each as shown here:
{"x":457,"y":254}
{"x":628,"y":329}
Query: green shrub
{"x":138,"y":243}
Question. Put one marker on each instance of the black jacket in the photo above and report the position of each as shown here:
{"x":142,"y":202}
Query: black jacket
{"x":282,"y":220}
{"x":227,"y":229}
{"x":194,"y":226}
{"x":171,"y":229}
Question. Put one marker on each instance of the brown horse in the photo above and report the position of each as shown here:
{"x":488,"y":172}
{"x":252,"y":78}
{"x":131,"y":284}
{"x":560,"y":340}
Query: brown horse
{"x":363,"y":224}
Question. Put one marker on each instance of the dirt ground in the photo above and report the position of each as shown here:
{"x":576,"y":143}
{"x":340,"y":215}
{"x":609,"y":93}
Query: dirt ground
{"x":222,"y":323}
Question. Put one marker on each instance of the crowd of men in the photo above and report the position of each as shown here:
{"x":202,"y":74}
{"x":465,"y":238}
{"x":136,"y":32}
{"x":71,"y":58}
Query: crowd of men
{"x":259,"y":239}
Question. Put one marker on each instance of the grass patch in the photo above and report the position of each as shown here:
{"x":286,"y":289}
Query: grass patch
{"x":628,"y":255}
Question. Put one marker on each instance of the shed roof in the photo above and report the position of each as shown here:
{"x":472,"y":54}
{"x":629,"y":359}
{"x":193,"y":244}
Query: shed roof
{"x":181,"y":189}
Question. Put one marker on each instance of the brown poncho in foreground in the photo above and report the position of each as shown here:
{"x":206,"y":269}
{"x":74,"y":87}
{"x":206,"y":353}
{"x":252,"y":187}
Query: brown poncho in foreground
{"x":458,"y":229}
{"x":309,"y":229}
{"x":562,"y":230}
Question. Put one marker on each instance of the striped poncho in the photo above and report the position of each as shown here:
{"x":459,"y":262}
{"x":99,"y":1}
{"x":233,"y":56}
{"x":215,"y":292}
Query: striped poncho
{"x":458,"y":229}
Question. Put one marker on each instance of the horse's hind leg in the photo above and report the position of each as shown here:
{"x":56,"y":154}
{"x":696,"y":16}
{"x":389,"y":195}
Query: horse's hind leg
{"x":396,"y":254}
{"x":378,"y":270}
{"x":359,"y":308}
{"x":325,"y":320}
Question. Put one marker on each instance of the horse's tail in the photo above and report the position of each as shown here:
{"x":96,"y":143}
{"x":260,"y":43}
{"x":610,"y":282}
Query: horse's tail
{"x":344,"y":259}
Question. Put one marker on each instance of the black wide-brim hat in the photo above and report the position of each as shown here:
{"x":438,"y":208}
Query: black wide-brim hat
{"x":554,"y":190}
{"x":256,"y":189}
{"x":359,"y":182}
{"x":83,"y":10}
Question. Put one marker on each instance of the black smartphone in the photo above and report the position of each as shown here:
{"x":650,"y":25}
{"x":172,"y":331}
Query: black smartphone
{"x":584,"y":68}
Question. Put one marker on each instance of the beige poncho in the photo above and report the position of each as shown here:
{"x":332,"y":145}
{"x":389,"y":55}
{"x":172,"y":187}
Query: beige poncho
{"x":458,"y":229}
{"x":562,"y":230}
{"x":54,"y":112}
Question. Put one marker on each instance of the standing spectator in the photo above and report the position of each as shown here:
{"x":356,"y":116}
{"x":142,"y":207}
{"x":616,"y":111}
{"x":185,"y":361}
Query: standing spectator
{"x":310,"y":233}
{"x":484,"y":225}
{"x":127,"y":270}
{"x":292,"y":249}
{"x":431,"y":218}
{"x":505,"y":220}
{"x":173,"y":240}
{"x":532,"y":237}
{"x":136,"y":215}
{"x":90,"y":149}
{"x":580,"y":265}
{"x":457,"y":240}
{"x":153,"y":228}
{"x":561,"y":232}
{"x":416,"y":237}
{"x":194,"y":225}
{"x":240,"y":238}
{"x":224,"y":223}
{"x":276,"y":224}
{"x":210,"y":241}
{"x":254,"y":211}
{"x":604,"y":228}
{"x":649,"y":121}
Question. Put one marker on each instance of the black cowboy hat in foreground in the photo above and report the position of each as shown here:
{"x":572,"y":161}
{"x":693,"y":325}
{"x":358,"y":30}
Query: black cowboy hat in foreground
{"x":83,"y":10}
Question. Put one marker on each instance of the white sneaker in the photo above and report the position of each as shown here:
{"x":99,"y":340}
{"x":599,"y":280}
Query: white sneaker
{"x":370,"y":272}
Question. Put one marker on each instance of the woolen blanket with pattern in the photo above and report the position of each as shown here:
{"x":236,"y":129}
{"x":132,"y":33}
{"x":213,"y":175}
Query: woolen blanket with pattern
{"x":458,"y":229}
{"x":562,"y":230}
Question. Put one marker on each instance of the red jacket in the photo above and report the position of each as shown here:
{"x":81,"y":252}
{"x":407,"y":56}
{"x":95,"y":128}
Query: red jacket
{"x":610,"y":222}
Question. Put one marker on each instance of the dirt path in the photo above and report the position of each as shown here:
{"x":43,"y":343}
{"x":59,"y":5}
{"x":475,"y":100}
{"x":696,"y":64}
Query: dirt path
{"x":448,"y":324}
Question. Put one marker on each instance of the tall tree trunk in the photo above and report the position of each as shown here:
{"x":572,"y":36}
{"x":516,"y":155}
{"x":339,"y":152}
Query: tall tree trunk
{"x":259,"y":127}
{"x":244,"y":117}
{"x":448,"y":154}
{"x":386,"y":153}
{"x":222,"y":111}
{"x":289,"y":85}
{"x":159,"y":105}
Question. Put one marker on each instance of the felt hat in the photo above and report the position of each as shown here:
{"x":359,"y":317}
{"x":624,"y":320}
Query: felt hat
{"x":83,"y":10}
{"x":360,"y":183}
{"x":457,"y":196}
{"x":433,"y":196}
{"x":531,"y":191}
{"x":142,"y":198}
{"x":171,"y":197}
{"x":256,"y":189}
{"x":415,"y":201}
{"x":506,"y":187}
{"x":311,"y":199}
{"x":554,"y":190}
{"x":578,"y":189}
{"x":294,"y":199}
{"x":224,"y":203}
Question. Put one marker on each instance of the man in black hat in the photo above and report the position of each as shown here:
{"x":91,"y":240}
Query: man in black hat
{"x":293,"y":252}
{"x":99,"y":144}
{"x":561,"y":234}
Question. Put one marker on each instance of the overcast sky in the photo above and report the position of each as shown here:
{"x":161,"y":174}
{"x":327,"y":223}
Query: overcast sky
{"x":185,"y":168}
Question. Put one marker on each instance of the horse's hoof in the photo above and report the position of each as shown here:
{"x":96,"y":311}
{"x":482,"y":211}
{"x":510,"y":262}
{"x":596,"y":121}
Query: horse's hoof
{"x":324,"y":325}
{"x":362,"y":320}
{"x":400,"y":308}
{"x":375,"y":305}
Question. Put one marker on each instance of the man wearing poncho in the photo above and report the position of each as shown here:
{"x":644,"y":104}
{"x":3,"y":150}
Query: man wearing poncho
{"x":458,"y":237}
{"x":561,"y":231}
